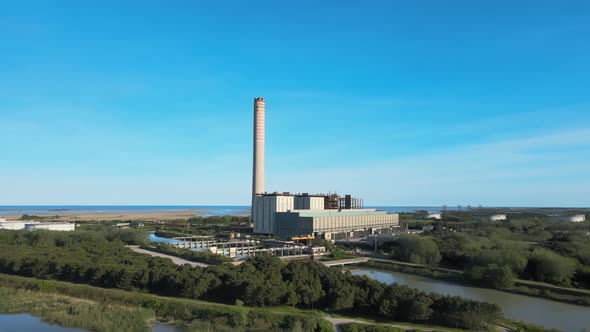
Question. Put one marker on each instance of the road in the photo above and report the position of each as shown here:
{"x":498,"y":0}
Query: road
{"x":345,"y":261}
{"x":386,"y":260}
{"x":336,"y":322}
{"x":175,"y":260}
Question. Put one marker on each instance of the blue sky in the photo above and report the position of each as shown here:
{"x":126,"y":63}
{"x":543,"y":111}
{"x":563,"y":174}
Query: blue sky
{"x":399,"y":102}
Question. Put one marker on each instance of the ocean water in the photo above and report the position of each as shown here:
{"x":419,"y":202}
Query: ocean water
{"x":204,"y":210}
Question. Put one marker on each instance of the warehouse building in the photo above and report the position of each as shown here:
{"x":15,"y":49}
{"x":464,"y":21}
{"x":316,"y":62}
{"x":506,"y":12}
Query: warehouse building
{"x":322,"y":223}
{"x":288,"y":215}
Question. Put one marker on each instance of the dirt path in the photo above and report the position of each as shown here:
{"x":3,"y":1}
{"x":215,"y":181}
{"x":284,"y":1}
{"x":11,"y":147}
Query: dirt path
{"x":339,"y":321}
{"x":175,"y":260}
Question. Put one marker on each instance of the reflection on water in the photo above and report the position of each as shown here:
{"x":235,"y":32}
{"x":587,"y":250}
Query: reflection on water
{"x":28,"y":323}
{"x":551,"y":314}
{"x":156,"y":239}
{"x":165,"y":328}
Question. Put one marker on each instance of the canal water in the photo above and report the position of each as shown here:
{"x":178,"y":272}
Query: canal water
{"x":156,"y":239}
{"x":28,"y":323}
{"x":550,"y":314}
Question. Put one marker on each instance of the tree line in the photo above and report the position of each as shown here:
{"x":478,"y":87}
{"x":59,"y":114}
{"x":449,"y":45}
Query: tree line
{"x":496,"y":253}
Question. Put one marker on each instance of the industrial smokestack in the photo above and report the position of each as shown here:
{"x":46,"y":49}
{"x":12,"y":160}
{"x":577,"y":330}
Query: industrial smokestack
{"x":258,"y":172}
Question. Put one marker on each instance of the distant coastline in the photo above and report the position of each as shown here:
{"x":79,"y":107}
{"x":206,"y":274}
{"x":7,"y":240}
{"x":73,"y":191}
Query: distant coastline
{"x":210,"y":210}
{"x":87,"y":209}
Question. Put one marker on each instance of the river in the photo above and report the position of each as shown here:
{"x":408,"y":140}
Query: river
{"x":551,"y":314}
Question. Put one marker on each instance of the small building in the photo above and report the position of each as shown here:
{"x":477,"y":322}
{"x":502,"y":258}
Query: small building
{"x":51,"y":226}
{"x":12,"y":224}
{"x":315,"y":250}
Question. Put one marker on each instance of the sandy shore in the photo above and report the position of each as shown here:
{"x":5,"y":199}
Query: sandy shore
{"x":109,"y":216}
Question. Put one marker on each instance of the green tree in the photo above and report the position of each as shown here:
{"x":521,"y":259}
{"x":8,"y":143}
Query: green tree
{"x":545,"y":265}
{"x":499,"y":277}
{"x":416,"y":249}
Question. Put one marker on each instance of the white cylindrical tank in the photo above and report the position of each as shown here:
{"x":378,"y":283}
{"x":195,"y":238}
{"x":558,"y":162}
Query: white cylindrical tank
{"x":578,"y":218}
{"x":498,"y":217}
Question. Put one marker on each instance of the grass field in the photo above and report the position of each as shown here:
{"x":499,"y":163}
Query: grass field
{"x":99,"y":309}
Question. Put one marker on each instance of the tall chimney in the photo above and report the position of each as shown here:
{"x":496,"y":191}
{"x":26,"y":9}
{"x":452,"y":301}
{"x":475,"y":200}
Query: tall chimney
{"x":258,"y":172}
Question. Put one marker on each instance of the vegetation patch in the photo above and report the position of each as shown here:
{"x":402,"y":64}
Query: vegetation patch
{"x":57,"y":302}
{"x":497,"y":253}
{"x":69,"y":311}
{"x":264,"y":281}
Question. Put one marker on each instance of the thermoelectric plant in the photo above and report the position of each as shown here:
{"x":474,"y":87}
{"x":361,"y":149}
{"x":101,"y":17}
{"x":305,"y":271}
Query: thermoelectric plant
{"x":303,"y":215}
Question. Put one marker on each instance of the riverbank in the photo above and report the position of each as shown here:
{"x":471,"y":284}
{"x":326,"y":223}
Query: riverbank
{"x":67,"y":311}
{"x":521,"y":287}
{"x":341,"y":322}
{"x":564,"y":316}
{"x":99,"y":309}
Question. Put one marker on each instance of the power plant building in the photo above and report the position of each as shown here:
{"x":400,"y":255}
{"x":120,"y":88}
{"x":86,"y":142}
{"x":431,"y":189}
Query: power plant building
{"x":309,"y":202}
{"x":288,"y":215}
{"x":264,"y":208}
{"x":321,"y":222}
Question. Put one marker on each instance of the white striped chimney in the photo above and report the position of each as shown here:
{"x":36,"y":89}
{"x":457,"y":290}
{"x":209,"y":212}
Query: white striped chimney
{"x":258,"y":172}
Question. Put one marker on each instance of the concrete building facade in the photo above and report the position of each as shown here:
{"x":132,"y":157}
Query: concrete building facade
{"x":309,"y":202}
{"x":57,"y":226}
{"x":33,"y":225}
{"x":319,"y":222}
{"x":266,"y":206}
{"x":12,"y":224}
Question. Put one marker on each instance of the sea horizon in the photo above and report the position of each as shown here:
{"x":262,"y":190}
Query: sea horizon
{"x":207,"y":209}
